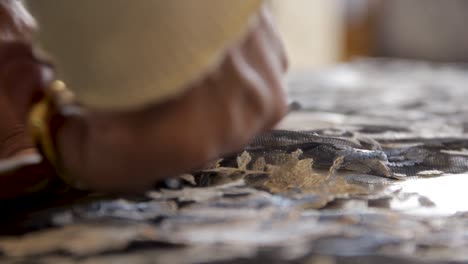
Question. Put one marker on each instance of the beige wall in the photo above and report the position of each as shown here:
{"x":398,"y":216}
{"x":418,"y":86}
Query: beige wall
{"x":312,"y":31}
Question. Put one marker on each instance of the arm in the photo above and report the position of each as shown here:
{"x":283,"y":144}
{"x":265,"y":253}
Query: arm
{"x":128,"y":150}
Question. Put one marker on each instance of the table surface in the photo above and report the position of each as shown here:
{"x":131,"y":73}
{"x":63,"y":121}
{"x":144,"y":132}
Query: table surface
{"x":235,"y":218}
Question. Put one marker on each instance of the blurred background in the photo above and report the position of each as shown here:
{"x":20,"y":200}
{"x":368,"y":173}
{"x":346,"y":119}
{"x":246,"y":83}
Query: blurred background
{"x":320,"y":33}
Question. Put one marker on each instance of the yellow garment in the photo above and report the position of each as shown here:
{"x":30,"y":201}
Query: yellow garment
{"x":123,"y":54}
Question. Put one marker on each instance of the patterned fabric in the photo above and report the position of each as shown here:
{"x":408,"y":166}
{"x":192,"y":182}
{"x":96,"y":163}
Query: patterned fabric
{"x":121,"y":55}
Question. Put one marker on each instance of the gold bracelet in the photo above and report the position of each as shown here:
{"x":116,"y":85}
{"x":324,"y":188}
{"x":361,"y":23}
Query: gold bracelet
{"x":40,"y":118}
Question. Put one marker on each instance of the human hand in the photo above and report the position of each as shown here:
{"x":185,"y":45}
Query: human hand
{"x":129,"y":151}
{"x":23,"y":77}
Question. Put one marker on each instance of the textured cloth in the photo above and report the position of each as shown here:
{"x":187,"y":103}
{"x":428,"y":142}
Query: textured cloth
{"x":120,"y":54}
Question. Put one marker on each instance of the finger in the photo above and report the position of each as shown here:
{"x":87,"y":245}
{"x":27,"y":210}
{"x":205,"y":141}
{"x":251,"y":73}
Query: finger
{"x":16,"y":23}
{"x":270,"y":28}
{"x":264,"y":57}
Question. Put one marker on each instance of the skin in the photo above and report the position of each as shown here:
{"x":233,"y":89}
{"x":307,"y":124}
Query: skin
{"x":130,"y":151}
{"x":23,"y":77}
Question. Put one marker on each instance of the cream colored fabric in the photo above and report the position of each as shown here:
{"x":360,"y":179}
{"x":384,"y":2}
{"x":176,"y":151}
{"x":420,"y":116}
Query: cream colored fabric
{"x":125,"y":54}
